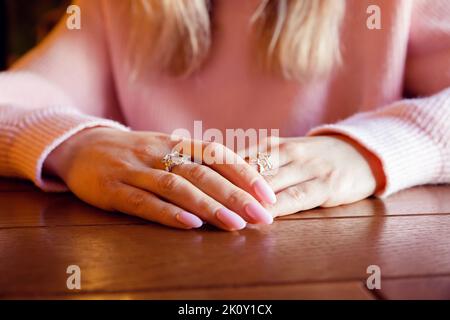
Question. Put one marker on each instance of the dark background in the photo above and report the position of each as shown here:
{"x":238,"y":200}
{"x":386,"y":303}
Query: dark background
{"x":23,"y":23}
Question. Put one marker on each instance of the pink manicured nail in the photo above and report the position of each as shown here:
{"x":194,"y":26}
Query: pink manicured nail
{"x":230,"y":219}
{"x":189,"y":220}
{"x":258,"y":213}
{"x":264,"y":192}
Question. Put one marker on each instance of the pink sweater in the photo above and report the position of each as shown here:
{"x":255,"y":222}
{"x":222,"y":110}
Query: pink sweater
{"x":78,"y":79}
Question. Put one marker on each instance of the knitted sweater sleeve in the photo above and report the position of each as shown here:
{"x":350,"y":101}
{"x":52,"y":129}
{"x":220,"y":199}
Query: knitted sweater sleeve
{"x":60,"y":88}
{"x":411,"y":137}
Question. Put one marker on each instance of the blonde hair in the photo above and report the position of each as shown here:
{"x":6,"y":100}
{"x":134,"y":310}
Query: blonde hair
{"x":296,"y":38}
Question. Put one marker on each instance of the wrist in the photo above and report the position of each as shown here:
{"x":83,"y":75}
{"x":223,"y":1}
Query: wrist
{"x":372,"y":160}
{"x":58,"y":161}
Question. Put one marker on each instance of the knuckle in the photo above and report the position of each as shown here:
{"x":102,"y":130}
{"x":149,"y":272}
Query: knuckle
{"x":136,"y":200}
{"x":244,"y":171}
{"x":105,"y":183}
{"x":241,"y":170}
{"x":235,"y":198}
{"x":110,"y":200}
{"x":168,"y":182}
{"x":149,"y":149}
{"x":122,"y":165}
{"x":165,"y":214}
{"x":197,"y":173}
{"x":144,"y":150}
{"x":297,"y":193}
{"x":324,"y":170}
{"x":205,"y":205}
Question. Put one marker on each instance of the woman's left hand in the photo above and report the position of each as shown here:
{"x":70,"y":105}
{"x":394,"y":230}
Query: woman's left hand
{"x":322,"y":171}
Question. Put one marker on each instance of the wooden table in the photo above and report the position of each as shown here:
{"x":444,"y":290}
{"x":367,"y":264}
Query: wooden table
{"x":322,"y":253}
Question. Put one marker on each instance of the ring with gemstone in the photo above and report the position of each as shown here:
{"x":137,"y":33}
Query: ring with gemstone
{"x":262,"y":162}
{"x":174,"y":159}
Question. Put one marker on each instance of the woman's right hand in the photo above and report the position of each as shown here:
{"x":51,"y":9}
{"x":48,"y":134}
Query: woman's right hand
{"x":122,"y":171}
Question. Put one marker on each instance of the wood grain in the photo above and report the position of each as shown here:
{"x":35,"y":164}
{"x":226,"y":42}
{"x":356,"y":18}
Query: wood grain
{"x":321,"y":253}
{"x":38,"y":209}
{"x":413,"y":201}
{"x":33,"y":208}
{"x":149,"y":257}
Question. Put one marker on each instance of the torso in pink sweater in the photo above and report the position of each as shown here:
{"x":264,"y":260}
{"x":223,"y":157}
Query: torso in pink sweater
{"x":78,"y":78}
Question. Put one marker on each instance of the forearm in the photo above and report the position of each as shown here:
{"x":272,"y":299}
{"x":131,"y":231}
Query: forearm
{"x":410,"y":138}
{"x":27,"y":137}
{"x":60,"y":88}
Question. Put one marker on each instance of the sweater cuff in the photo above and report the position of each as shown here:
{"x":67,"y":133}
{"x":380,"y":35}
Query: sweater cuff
{"x":408,"y":156}
{"x":34,"y":142}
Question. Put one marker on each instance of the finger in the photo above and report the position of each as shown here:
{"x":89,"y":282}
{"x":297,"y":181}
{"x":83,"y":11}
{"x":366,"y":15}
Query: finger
{"x":288,"y":175}
{"x":222,"y":190}
{"x":303,"y":196}
{"x":238,"y":171}
{"x":270,"y":146}
{"x":184,"y":194}
{"x":227,"y":163}
{"x":140,"y":203}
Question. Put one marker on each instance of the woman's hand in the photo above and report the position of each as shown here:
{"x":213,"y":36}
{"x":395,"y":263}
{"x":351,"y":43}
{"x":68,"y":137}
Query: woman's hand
{"x":322,"y":171}
{"x":122,"y":171}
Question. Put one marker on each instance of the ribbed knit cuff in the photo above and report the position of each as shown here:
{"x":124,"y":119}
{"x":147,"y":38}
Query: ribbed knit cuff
{"x":408,"y":155}
{"x":44,"y":130}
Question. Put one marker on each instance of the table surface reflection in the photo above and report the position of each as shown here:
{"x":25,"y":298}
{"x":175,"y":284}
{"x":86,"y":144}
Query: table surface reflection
{"x":322,"y":253}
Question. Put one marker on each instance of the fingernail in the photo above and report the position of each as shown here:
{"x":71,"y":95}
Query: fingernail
{"x":258,"y":213}
{"x":264,"y":192}
{"x":189,"y":220}
{"x":230,"y":219}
